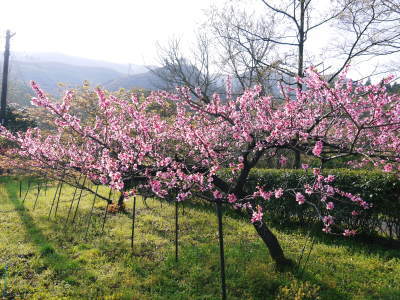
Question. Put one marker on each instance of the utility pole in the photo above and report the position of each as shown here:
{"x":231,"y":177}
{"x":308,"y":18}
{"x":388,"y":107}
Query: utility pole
{"x":5,"y":78}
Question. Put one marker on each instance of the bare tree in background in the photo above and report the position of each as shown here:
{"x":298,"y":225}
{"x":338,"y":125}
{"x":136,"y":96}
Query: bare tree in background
{"x":193,"y":71}
{"x":363,"y":29}
{"x":370,"y":29}
{"x":269,"y":41}
{"x":240,"y":54}
{"x":269,"y":46}
{"x":274,"y":39}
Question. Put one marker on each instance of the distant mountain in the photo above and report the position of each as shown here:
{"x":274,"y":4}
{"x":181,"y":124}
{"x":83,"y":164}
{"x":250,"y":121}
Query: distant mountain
{"x":146,"y":80}
{"x":40,"y":57}
{"x":49,"y":74}
{"x":151,"y":81}
{"x":50,"y":69}
{"x":19,"y":92}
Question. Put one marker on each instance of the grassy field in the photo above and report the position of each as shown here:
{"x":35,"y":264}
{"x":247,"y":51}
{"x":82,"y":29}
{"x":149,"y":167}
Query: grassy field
{"x":41,"y":258}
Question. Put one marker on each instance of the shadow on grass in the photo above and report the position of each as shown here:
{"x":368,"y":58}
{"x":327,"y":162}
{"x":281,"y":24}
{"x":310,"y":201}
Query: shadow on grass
{"x":59,"y":263}
{"x":260,"y":281}
{"x":364,"y":244}
{"x":191,"y":258}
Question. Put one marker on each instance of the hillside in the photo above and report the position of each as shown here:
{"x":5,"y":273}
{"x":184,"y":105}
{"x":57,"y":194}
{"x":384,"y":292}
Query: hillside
{"x":51,"y":69}
{"x":18,"y":92}
{"x":49,"y":74}
{"x":125,"y":69}
{"x":147,"y":80}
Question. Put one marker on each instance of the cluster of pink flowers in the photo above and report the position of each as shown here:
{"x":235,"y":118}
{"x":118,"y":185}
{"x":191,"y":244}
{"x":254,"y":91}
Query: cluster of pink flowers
{"x":278,"y":193}
{"x":348,"y":232}
{"x":130,"y":142}
{"x":231,"y":198}
{"x":257,"y":215}
{"x":317,"y":150}
{"x":300,"y":198}
{"x":283,"y":160}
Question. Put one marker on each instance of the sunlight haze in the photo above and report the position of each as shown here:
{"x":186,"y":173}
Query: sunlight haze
{"x":118,"y":31}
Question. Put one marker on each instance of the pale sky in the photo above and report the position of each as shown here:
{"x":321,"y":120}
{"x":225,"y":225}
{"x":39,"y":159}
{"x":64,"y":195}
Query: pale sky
{"x":123,"y":31}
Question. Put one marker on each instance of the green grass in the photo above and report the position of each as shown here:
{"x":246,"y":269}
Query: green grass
{"x":47,"y":260}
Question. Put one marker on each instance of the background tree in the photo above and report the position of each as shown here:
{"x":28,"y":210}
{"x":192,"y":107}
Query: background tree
{"x":360,"y":30}
{"x":193,"y":70}
{"x":18,"y":118}
{"x":269,"y":43}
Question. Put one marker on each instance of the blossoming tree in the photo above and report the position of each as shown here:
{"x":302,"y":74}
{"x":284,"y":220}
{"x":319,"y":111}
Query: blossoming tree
{"x":131,"y":146}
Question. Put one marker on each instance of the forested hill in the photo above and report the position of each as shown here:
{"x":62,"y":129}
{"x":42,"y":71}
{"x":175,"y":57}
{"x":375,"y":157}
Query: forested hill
{"x":51,"y":69}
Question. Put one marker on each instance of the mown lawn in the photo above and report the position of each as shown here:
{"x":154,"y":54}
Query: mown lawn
{"x":41,"y":258}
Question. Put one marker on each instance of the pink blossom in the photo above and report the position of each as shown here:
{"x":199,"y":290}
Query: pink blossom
{"x":263,"y":194}
{"x":183,"y":196}
{"x":348,"y":232}
{"x":300,"y":198}
{"x":305,"y":166}
{"x":330,"y":178}
{"x":128,"y":139}
{"x":327,"y":229}
{"x":388,"y":168}
{"x":117,"y":185}
{"x":232,"y":198}
{"x":317,"y":150}
{"x":155,"y":186}
{"x":320,"y":178}
{"x":257,"y":215}
{"x":103,"y":179}
{"x":308,"y":189}
{"x":316,"y":171}
{"x":328,"y":220}
{"x":330,"y":191}
{"x":330,"y":206}
{"x":217,"y":194}
{"x":278,"y":193}
{"x":129,"y":193}
{"x":283,"y":160}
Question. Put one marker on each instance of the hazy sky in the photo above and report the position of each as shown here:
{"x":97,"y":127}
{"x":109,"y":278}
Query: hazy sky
{"x":112,"y":30}
{"x":123,"y":31}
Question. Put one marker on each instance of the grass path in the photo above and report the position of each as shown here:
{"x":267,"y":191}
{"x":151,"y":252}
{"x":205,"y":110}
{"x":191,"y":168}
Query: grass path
{"x":46,"y":260}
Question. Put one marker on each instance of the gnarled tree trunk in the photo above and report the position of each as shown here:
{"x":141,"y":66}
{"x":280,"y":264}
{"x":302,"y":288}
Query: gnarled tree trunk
{"x":270,"y":240}
{"x":273,"y":245}
{"x":121,"y":205}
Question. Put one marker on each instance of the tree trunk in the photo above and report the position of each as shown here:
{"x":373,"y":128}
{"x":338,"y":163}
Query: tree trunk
{"x":121,"y":205}
{"x":297,"y":159}
{"x":263,"y":231}
{"x":273,"y":245}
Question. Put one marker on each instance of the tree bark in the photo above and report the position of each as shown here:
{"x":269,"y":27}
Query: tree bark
{"x":263,"y":231}
{"x":121,"y":205}
{"x":297,"y":159}
{"x":273,"y":245}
